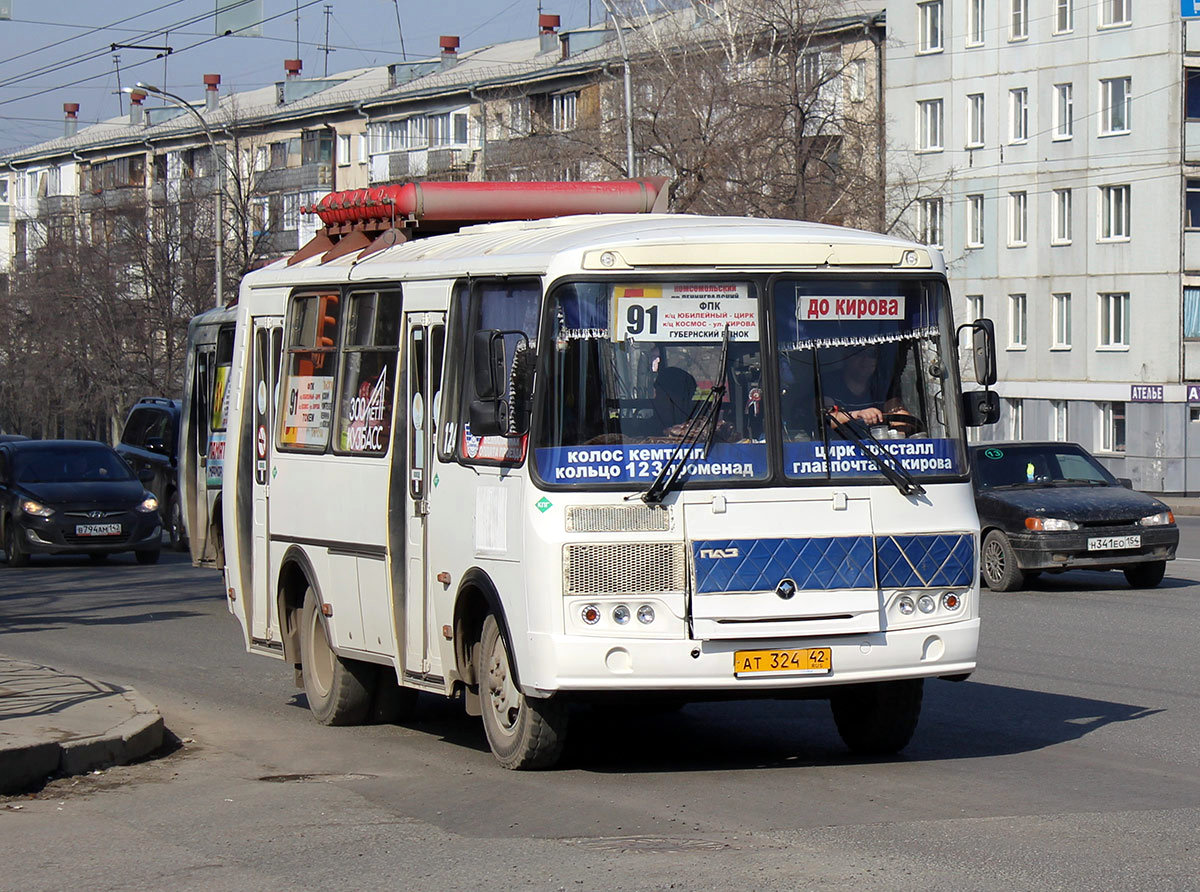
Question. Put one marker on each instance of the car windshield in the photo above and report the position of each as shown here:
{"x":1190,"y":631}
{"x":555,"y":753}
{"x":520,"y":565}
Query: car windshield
{"x":74,"y":465}
{"x":999,"y":467}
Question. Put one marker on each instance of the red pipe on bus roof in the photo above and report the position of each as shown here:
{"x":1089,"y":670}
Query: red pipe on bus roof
{"x":491,"y":202}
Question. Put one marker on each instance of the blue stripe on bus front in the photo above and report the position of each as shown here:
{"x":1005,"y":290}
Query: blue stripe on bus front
{"x":834,"y":562}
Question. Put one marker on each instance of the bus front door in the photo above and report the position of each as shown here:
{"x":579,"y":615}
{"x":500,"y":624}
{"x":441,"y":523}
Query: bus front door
{"x":266,"y":351}
{"x":425,"y":335}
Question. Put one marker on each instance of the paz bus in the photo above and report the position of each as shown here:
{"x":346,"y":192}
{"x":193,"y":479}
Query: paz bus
{"x":450,"y":461}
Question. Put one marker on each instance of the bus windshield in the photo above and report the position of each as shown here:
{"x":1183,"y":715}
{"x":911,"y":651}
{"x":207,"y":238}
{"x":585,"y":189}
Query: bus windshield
{"x":634,"y":364}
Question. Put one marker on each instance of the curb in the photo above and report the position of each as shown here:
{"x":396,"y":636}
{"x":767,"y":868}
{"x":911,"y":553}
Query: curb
{"x":25,"y":766}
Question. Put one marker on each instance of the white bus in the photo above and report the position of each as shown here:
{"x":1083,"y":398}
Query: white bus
{"x":530,"y":463}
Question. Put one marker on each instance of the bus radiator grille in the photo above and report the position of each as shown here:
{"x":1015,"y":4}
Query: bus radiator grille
{"x":627,"y":568}
{"x":618,"y":519}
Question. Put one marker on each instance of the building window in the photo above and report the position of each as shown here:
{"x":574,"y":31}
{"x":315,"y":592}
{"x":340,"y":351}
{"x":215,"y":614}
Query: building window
{"x":974,"y":307}
{"x":975,"y":22}
{"x":1114,"y":105}
{"x":1112,"y":427}
{"x":929,"y":125}
{"x":1060,"y":323}
{"x":1061,"y":218}
{"x":343,"y":149}
{"x":1018,"y":28}
{"x":974,"y":221}
{"x":1017,"y":322}
{"x":929,"y":15}
{"x":1191,"y":206}
{"x":1191,"y":312}
{"x":858,"y":80}
{"x":1192,"y":94}
{"x":1064,"y":111}
{"x":1114,"y":322}
{"x":1016,"y":419}
{"x":975,"y":120}
{"x":1018,"y":103}
{"x":564,"y":108}
{"x":1058,"y":420}
{"x":931,"y":221}
{"x":439,"y":130}
{"x":1114,"y":213}
{"x":1114,"y":12}
{"x":1064,"y":16}
{"x":1018,"y":219}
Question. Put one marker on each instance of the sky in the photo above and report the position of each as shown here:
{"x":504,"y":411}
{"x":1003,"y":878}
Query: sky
{"x":56,"y":51}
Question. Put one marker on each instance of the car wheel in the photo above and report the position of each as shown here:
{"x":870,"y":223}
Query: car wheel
{"x":147,"y":556}
{"x":17,"y":556}
{"x":1146,"y":575}
{"x":339,"y":691}
{"x":174,"y":524}
{"x":1000,"y":570}
{"x":523,"y":732}
{"x":878,"y":718}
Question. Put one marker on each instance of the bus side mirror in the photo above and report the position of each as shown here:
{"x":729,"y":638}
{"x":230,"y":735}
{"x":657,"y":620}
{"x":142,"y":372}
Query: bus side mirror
{"x":488,"y":411}
{"x":983,"y":347}
{"x":520,"y":380}
{"x":980,"y":407}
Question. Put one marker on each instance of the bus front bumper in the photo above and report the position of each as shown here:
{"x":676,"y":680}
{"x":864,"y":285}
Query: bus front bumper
{"x":578,"y":663}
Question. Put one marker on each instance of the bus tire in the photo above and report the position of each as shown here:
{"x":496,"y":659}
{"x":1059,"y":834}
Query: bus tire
{"x":339,"y":691}
{"x":174,"y":524}
{"x":878,"y":718}
{"x":523,"y":732}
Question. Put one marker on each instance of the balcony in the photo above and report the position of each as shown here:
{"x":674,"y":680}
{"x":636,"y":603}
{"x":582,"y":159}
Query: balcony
{"x":306,"y":177}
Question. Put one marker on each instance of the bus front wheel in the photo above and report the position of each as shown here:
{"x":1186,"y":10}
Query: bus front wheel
{"x":339,"y":691}
{"x":523,"y":732}
{"x":878,"y":718}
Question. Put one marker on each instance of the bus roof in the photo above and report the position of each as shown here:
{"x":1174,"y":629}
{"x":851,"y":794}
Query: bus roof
{"x":640,"y":243}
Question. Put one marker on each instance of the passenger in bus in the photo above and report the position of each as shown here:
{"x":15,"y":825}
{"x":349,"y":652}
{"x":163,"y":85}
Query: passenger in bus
{"x":673,"y":404}
{"x":852,"y":389}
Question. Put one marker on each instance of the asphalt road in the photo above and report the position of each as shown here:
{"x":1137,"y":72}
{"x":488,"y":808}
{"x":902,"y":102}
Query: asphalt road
{"x":1070,"y":760}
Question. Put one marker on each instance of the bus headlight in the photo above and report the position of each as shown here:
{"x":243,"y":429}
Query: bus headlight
{"x":645,"y":614}
{"x":620,"y":614}
{"x":906,"y":605}
{"x":926,"y":604}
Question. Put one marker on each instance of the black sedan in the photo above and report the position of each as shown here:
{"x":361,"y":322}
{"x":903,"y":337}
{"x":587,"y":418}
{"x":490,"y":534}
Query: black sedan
{"x":1053,"y":507}
{"x":73,"y":497}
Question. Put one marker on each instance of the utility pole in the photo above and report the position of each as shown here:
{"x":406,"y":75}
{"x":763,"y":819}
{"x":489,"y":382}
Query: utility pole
{"x":327,"y":48}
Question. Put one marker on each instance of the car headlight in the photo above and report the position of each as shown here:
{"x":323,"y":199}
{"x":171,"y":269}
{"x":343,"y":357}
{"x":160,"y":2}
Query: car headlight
{"x":1158,"y":520}
{"x":148,"y":504}
{"x":1050,"y":523}
{"x":29,"y":506}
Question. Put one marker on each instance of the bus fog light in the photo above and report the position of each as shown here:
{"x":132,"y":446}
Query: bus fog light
{"x":590,"y":614}
{"x":906,"y":606}
{"x":620,"y":614}
{"x":645,"y":614}
{"x":951,"y":601}
{"x":926,"y":604}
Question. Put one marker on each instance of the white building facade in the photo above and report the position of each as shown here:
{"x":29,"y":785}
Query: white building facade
{"x":1054,"y":160}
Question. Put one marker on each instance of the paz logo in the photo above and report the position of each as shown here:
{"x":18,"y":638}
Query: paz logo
{"x":543,"y":504}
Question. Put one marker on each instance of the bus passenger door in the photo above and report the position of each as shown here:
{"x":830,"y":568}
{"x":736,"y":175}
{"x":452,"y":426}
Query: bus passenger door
{"x":267,"y":349}
{"x":425,"y":335}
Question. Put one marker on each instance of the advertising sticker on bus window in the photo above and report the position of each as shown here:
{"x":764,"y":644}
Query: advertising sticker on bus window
{"x":839,"y":309}
{"x":692,"y":311}
{"x":367,"y":431}
{"x":309,"y":411}
{"x":220,"y":403}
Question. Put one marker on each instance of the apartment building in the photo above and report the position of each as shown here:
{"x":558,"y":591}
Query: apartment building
{"x":1055,"y":147}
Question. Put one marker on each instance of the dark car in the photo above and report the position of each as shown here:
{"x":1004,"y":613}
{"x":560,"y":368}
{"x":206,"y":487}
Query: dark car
{"x":9,"y":438}
{"x":74,"y":497}
{"x":150,"y":441}
{"x":1053,"y":507}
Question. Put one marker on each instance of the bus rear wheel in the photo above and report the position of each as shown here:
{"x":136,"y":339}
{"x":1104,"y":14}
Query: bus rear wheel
{"x":878,"y":718}
{"x":339,"y":691}
{"x":523,"y":732}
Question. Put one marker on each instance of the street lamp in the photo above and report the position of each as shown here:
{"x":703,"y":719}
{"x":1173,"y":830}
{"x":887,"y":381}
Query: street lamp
{"x":612,"y":14}
{"x":179,"y":101}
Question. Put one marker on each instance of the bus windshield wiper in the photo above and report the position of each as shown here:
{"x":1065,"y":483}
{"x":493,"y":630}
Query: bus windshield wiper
{"x":702,"y":425}
{"x":895,"y":473}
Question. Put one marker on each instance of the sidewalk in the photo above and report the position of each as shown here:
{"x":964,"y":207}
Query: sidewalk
{"x":1182,"y":506}
{"x":52,"y":723}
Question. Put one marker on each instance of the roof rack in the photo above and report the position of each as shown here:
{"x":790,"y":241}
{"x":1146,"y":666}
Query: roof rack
{"x":369,"y":220}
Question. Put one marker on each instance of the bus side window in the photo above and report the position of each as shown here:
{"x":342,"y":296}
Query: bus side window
{"x":509,"y":305}
{"x":368,"y":373}
{"x":306,"y":415}
{"x":447,"y":407}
